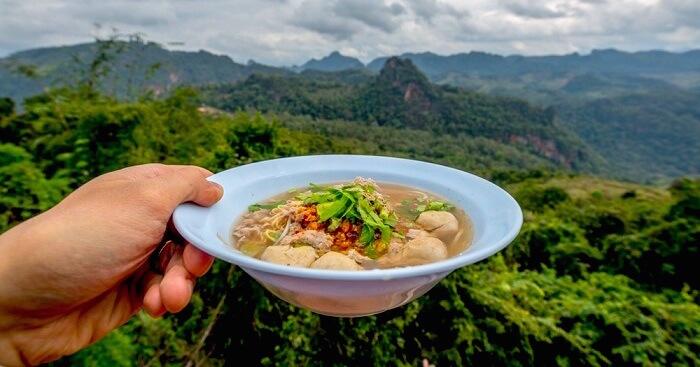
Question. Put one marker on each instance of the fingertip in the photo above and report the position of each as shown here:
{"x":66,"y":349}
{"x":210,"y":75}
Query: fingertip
{"x":176,"y":289}
{"x":196,"y":261}
{"x":152,"y":303}
{"x":210,"y":194}
{"x":218,"y":191}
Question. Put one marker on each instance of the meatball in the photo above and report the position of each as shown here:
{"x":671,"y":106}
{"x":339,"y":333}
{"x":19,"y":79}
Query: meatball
{"x":442,"y":225}
{"x":423,"y":250}
{"x":335,"y":261}
{"x":301,"y":256}
{"x":415,"y":233}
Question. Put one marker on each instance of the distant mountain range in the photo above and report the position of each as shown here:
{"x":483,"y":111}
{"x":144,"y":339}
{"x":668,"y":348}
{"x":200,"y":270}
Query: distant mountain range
{"x":638,"y":110}
{"x":606,"y":61}
{"x":136,"y":65}
{"x":546,"y":77}
{"x":598,"y":61}
{"x":333,"y":62}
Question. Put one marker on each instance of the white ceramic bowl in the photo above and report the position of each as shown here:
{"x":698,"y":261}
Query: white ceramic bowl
{"x":495,"y":215}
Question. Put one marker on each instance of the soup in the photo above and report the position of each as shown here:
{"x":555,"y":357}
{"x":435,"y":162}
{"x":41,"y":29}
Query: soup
{"x":353,"y":226}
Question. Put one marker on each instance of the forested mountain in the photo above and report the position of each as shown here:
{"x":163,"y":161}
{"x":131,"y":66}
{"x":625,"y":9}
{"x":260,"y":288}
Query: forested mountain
{"x":638,"y":110}
{"x":333,"y":62}
{"x":476,"y":70}
{"x":400,"y":96}
{"x":635,"y":109}
{"x":642,"y":135}
{"x":135,"y":65}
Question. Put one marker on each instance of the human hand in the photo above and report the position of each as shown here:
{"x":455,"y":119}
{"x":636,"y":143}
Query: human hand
{"x":79,"y":270}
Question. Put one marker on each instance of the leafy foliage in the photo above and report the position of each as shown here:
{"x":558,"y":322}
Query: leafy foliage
{"x":598,"y":276}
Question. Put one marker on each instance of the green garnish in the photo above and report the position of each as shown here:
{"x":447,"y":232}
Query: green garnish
{"x":335,"y":223}
{"x":439,"y":205}
{"x":331,"y":209}
{"x":352,"y":201}
{"x":417,"y":206}
{"x":371,"y":251}
{"x":256,"y":207}
{"x":366,"y":236}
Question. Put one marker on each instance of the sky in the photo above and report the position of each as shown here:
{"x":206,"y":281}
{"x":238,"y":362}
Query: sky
{"x":289,"y":32}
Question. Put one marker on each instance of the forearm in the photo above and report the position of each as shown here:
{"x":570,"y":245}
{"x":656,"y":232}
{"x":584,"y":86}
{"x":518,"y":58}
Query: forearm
{"x":22,"y":275}
{"x":10,"y":354}
{"x":23,"y":335}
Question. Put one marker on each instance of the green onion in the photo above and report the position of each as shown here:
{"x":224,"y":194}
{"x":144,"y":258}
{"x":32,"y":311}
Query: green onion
{"x":331,"y":209}
{"x":371,"y":251}
{"x":367,"y":235}
{"x":386,"y":234}
{"x":256,"y":207}
{"x":335,"y":223}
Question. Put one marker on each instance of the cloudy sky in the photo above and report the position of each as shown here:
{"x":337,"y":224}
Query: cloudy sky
{"x":284,"y":32}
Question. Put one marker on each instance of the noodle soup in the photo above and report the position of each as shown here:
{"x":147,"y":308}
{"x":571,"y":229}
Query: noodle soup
{"x":355,"y":225}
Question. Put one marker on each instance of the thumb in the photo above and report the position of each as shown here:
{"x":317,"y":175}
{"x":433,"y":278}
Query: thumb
{"x":188,"y":183}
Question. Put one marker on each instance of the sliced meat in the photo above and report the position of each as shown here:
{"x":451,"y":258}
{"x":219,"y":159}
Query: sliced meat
{"x":321,"y":241}
{"x":361,"y":259}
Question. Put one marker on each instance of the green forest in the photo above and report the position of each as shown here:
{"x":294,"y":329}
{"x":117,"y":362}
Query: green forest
{"x":601,"y":273}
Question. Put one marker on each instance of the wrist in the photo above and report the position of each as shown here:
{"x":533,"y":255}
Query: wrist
{"x":10,"y":354}
{"x":10,"y":350}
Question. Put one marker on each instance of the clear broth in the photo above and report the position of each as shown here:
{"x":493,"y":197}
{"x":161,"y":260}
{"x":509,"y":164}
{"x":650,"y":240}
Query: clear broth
{"x":394,"y":194}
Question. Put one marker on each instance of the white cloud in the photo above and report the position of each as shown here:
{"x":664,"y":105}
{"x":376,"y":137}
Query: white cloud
{"x":292,"y":31}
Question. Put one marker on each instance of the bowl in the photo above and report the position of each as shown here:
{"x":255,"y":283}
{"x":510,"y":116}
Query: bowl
{"x":495,"y":215}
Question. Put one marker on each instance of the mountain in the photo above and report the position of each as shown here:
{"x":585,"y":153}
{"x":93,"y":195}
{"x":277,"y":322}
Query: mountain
{"x":598,"y":61}
{"x":333,"y":62}
{"x":134,"y":66}
{"x":402,"y":97}
{"x":646,"y":136}
{"x":637,"y":109}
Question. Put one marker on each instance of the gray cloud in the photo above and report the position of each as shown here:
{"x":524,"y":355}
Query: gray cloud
{"x":342,"y":19}
{"x":532,"y":9}
{"x":130,"y":13}
{"x":370,"y":12}
{"x":291,"y":31}
{"x":429,"y":9}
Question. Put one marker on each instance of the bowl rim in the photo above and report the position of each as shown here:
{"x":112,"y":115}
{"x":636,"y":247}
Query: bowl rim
{"x":443,"y":266}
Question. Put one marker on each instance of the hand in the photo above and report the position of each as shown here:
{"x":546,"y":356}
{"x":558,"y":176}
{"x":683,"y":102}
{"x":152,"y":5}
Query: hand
{"x":81,"y":269}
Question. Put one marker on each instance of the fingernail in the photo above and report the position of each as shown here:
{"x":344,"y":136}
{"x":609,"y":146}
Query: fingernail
{"x":219,"y":189}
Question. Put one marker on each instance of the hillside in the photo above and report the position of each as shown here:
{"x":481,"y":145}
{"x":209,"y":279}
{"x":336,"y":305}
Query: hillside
{"x":402,"y":97}
{"x":637,"y":108}
{"x":650,"y":136}
{"x":135,"y":66}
